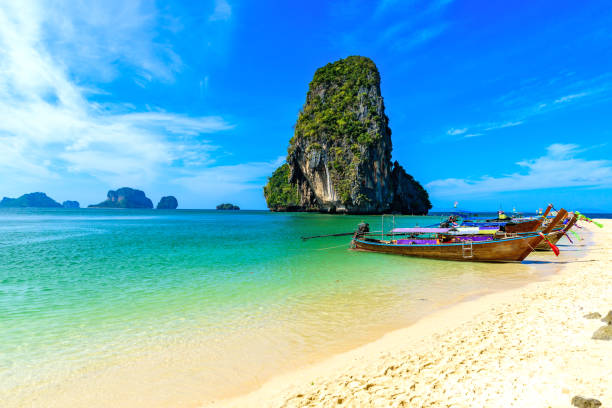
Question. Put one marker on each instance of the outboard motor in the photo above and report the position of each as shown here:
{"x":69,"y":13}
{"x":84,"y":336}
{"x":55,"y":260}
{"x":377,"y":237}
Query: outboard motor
{"x":362,"y":230}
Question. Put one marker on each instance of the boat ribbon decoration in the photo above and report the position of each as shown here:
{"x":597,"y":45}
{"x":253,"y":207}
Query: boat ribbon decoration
{"x":583,"y":217}
{"x":552,"y":246}
{"x":575,"y":234}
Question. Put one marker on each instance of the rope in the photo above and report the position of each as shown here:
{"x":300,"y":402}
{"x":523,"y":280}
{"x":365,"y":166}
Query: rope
{"x":337,"y":246}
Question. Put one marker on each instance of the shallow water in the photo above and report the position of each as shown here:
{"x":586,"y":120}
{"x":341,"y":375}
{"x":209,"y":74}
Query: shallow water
{"x":165,"y":308}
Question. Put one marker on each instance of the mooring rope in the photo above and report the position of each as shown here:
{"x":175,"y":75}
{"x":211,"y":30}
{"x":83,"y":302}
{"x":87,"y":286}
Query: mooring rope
{"x":337,"y":246}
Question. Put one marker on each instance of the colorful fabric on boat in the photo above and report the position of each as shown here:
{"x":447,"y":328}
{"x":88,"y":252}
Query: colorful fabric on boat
{"x":417,"y":241}
{"x":473,"y":231}
{"x":474,"y":238}
{"x":420,"y":230}
{"x":483,"y":224}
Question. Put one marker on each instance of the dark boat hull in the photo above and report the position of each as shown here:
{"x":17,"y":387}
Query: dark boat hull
{"x":527,"y":226}
{"x":506,"y":250}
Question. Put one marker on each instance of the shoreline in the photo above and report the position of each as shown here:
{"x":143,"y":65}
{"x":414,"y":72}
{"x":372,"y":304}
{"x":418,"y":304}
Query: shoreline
{"x":473,"y":354}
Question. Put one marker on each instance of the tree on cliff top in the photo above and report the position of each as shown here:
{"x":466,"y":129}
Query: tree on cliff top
{"x":335,"y":104}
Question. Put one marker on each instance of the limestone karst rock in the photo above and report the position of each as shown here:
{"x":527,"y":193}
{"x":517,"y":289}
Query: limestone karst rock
{"x":40,"y":200}
{"x":125,"y":197}
{"x":71,"y":204}
{"x":339,"y":159}
{"x":228,"y":206}
{"x":167,"y":203}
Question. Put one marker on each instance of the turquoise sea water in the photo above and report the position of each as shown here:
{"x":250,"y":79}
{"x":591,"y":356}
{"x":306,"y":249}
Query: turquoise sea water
{"x":97,"y":306}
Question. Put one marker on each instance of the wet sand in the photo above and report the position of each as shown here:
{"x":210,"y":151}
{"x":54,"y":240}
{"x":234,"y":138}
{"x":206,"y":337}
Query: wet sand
{"x":529,"y":346}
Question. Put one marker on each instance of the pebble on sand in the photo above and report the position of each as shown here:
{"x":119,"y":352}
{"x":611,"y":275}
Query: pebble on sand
{"x":582,"y":402}
{"x":603,"y":333}
{"x":608,"y":318}
{"x":594,"y":315}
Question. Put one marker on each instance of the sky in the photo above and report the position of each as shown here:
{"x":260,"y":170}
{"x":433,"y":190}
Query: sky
{"x":492,"y":104}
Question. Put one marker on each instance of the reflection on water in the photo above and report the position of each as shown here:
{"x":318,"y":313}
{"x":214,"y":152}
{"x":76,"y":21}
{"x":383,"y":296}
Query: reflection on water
{"x":173,"y":307}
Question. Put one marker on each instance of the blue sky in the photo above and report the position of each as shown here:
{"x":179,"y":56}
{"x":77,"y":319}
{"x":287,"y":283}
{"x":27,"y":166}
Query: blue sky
{"x":490,"y":103}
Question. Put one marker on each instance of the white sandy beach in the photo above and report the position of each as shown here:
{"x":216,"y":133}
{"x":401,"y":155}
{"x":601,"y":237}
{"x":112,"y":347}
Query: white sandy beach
{"x":526,"y":347}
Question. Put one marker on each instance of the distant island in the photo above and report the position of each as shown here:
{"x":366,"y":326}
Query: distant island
{"x":228,"y":206}
{"x":339,"y":158}
{"x":71,"y":204}
{"x":167,"y":203}
{"x":40,"y":200}
{"x":125,"y":197}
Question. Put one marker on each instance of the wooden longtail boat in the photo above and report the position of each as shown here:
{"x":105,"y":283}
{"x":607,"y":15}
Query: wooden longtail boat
{"x":555,"y":236}
{"x":512,"y":225}
{"x":502,"y":250}
{"x":526,"y":226}
{"x":461,"y":234}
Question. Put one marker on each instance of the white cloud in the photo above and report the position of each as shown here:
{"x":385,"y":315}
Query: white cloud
{"x":560,"y":151}
{"x":503,"y":125}
{"x":92,"y":36}
{"x":454,"y":132}
{"x":222,"y":180}
{"x":419,"y":37}
{"x":559,"y":167}
{"x":222,"y":12}
{"x":568,"y":98}
{"x":47,"y":124}
{"x":518,"y":105}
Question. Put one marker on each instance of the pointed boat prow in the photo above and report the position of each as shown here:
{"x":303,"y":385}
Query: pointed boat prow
{"x":571,"y":222}
{"x":561,"y":214}
{"x":550,"y":206}
{"x":533,"y":242}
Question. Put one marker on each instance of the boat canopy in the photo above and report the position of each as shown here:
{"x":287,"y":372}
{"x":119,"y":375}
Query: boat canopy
{"x":472,"y":231}
{"x":420,"y":230}
{"x":449,"y":231}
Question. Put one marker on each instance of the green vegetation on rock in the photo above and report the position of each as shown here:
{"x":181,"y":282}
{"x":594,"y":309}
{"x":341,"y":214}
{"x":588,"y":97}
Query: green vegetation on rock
{"x":279,"y":192}
{"x":342,"y":109}
{"x":339,"y":158}
{"x":331,"y":110}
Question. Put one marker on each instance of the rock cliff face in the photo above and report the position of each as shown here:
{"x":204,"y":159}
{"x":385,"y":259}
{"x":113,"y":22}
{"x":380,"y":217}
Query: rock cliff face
{"x":125,"y":198}
{"x":409,"y":196}
{"x":339,"y":159}
{"x":167,"y":203}
{"x":40,"y":200}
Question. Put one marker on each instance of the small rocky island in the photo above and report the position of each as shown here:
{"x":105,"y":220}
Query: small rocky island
{"x":228,"y":206}
{"x":339,"y":158}
{"x":39,"y":200}
{"x":71,"y":204}
{"x":167,"y":203}
{"x":125,"y":197}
